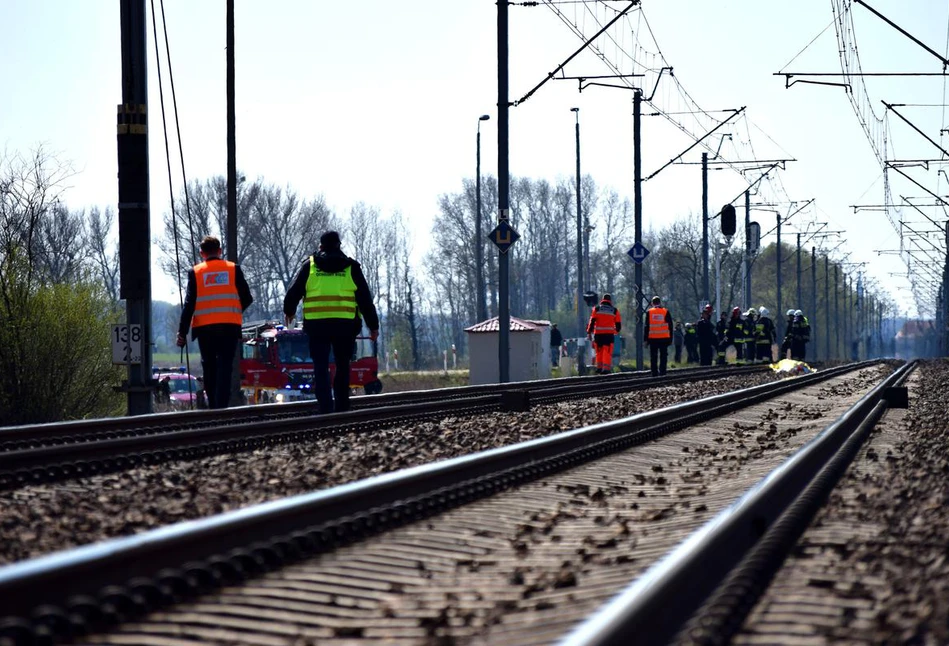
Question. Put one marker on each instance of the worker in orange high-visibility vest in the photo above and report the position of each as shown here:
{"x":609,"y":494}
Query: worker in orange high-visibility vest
{"x":658,"y":334}
{"x":216,"y":298}
{"x":605,"y":323}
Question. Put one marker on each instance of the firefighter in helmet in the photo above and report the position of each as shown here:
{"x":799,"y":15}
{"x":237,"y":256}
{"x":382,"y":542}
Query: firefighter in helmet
{"x":800,"y":335}
{"x":707,"y":337}
{"x":605,"y":323}
{"x":691,"y":343}
{"x":786,"y":343}
{"x":734,"y":335}
{"x":764,"y":334}
{"x":751,"y":317}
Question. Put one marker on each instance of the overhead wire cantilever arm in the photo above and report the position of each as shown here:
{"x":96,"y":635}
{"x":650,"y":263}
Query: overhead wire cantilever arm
{"x":791,"y":215}
{"x":942,"y":202}
{"x":581,"y":85}
{"x":921,"y":212}
{"x":697,"y":141}
{"x":788,"y":82}
{"x":574,"y":55}
{"x":892,"y":107}
{"x":944,"y":61}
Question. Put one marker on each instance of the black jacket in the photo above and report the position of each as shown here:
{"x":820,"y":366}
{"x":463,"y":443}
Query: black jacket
{"x":332,"y":261}
{"x":556,"y":338}
{"x":705,"y":329}
{"x":187,"y":312}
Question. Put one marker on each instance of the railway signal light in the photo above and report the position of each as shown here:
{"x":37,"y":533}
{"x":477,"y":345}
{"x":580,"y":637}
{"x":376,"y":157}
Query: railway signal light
{"x":728,"y":220}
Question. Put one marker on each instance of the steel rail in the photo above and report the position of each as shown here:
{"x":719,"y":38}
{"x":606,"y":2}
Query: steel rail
{"x":659,"y":604}
{"x":32,"y":436}
{"x":63,"y":594}
{"x":61,"y":461}
{"x":725,"y":613}
{"x":66,"y":460}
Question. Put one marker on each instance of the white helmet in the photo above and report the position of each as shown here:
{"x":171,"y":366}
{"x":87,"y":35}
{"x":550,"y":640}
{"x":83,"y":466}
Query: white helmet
{"x":763,"y":311}
{"x":798,"y":313}
{"x":790,"y":313}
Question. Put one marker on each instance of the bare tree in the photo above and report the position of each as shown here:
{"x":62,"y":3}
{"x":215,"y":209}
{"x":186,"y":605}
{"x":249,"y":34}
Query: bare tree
{"x":103,"y":256}
{"x":614,"y":221}
{"x":30,"y":187}
{"x":59,"y":252}
{"x":281,"y":232}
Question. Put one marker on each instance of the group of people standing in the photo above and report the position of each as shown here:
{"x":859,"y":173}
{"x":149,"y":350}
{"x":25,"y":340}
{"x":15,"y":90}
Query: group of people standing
{"x":752,"y":334}
{"x":606,"y":322}
{"x":336,"y":301}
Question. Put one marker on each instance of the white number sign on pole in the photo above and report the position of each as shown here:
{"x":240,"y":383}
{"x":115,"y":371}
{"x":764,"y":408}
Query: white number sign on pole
{"x":126,"y":343}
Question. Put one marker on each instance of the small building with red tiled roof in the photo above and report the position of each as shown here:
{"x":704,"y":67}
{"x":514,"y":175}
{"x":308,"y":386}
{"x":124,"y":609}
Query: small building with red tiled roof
{"x":529,"y":351}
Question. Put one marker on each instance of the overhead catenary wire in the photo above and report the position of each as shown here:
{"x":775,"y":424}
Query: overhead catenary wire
{"x":174,"y":216}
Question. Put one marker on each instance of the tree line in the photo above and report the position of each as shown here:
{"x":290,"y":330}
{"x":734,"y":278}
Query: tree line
{"x":53,"y":258}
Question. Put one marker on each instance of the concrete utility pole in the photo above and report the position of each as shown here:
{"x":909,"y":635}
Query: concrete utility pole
{"x":235,"y":398}
{"x":638,"y":217}
{"x":748,"y":303}
{"x":504,"y":179}
{"x":814,"y":337}
{"x":848,"y":318}
{"x":581,"y":310}
{"x":135,"y":284}
{"x":705,"y":292}
{"x":797,"y":305}
{"x":231,"y":140}
{"x":779,"y":319}
{"x":826,"y":316}
{"x":837,"y":324}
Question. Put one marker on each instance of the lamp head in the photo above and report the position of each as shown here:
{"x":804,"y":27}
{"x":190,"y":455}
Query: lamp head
{"x":574,"y":109}
{"x":484,"y":117}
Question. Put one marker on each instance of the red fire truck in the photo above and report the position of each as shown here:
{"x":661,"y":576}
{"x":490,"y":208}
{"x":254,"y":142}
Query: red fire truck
{"x":276,"y":365}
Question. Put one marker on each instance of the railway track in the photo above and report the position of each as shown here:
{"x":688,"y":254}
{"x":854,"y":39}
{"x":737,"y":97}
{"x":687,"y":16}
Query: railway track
{"x":55,"y":452}
{"x":174,"y":563}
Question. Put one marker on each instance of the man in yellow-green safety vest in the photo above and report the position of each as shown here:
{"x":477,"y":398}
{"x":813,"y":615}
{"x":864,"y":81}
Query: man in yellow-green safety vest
{"x":334,"y":293}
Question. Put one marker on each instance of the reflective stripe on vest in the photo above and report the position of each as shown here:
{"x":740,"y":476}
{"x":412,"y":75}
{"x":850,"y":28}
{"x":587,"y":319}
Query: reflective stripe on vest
{"x":604,"y":319}
{"x":329,"y":295}
{"x":658,"y":328}
{"x":217,"y":299}
{"x":763,"y":339}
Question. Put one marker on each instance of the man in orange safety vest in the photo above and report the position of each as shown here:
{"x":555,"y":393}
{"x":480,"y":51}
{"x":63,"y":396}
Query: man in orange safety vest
{"x":605,"y":322}
{"x":658,"y":334}
{"x":213,"y":309}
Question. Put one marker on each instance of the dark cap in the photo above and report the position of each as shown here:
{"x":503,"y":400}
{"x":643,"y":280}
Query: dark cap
{"x":330,"y":240}
{"x":656,"y":300}
{"x":607,"y":297}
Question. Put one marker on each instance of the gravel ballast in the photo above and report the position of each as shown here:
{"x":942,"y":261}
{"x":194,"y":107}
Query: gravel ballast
{"x":39,"y":519}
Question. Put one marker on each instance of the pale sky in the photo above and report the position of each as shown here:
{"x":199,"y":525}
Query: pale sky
{"x":378,"y":101}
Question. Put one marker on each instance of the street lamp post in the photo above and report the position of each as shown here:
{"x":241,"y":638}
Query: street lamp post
{"x":581,"y":336}
{"x":479,"y":248}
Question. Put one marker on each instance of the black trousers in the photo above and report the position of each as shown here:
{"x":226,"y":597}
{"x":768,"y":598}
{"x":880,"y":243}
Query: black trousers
{"x":797,"y":349}
{"x":764,"y":352}
{"x":692,"y":355}
{"x":658,"y":357}
{"x":337,"y":398}
{"x":706,"y":352}
{"x":678,"y":354}
{"x":217,"y":360}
